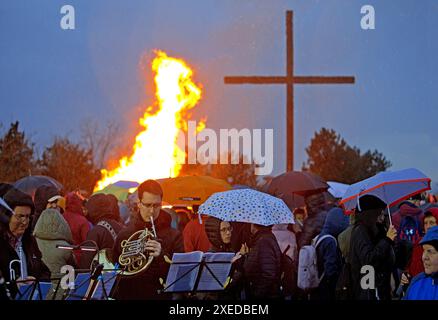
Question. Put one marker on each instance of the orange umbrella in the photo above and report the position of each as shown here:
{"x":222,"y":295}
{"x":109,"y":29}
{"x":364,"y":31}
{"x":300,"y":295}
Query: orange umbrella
{"x":191,"y":190}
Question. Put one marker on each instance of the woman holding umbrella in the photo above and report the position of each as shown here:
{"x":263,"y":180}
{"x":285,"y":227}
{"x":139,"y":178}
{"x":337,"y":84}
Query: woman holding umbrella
{"x":261,"y":271}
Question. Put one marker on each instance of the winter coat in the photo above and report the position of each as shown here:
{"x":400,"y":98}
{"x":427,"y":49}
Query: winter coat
{"x":423,"y":287}
{"x":75,"y":218}
{"x":195,"y":238}
{"x":212,"y":230}
{"x":370,"y":246}
{"x":35,"y":265}
{"x":262,"y":267}
{"x":52,"y":230}
{"x":312,"y":227}
{"x":144,"y":286}
{"x":101,"y":209}
{"x":102,"y":237}
{"x":329,"y":256}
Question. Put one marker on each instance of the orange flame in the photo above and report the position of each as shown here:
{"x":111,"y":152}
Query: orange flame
{"x":156,"y":153}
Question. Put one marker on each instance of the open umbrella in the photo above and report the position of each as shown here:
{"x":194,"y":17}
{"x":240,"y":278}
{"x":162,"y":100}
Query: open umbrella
{"x":29,"y":184}
{"x":302,"y":183}
{"x":337,"y":189}
{"x":120,"y":193}
{"x":247,"y":205}
{"x":391,"y":187}
{"x":191,"y":190}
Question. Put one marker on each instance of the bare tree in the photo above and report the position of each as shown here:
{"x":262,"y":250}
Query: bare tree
{"x":100,"y":140}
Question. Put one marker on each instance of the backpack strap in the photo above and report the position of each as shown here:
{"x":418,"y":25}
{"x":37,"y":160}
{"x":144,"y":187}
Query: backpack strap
{"x":108,"y":227}
{"x":319,"y":239}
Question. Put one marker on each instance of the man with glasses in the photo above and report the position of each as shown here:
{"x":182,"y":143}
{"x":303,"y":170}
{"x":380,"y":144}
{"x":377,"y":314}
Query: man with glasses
{"x":20,"y":258}
{"x":167,"y":241}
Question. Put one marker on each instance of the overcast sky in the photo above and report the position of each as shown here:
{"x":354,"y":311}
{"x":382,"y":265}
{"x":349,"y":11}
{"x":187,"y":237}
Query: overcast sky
{"x":51,"y":79}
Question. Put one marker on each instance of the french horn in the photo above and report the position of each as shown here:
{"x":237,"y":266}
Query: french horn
{"x":134,"y":259}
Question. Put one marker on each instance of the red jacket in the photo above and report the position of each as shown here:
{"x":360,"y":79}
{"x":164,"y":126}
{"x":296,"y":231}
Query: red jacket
{"x":79,"y":225}
{"x":195,"y":238}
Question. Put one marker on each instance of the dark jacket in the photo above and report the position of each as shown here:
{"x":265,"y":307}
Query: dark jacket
{"x":35,"y":265}
{"x":329,"y":255}
{"x":262,"y":267}
{"x":370,"y":246}
{"x":423,"y":287}
{"x":145,"y":285}
{"x":101,"y":210}
{"x":313,"y":225}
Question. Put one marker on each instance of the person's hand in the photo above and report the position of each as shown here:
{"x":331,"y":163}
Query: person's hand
{"x":154,"y":248}
{"x":392,"y":233}
{"x":296,"y":228}
{"x":404,"y":279}
{"x":236,"y":257}
{"x":244,"y":249}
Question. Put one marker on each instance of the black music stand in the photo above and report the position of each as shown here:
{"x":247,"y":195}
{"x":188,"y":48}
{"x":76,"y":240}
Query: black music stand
{"x":196,"y":276}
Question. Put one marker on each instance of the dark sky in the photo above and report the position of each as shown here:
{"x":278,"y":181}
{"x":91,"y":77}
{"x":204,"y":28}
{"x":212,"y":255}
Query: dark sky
{"x":52,"y":80}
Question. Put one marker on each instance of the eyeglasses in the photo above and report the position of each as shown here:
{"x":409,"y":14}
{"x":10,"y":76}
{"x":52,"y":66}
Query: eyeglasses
{"x":22,"y":217}
{"x":150,"y":205}
{"x":229,"y":229}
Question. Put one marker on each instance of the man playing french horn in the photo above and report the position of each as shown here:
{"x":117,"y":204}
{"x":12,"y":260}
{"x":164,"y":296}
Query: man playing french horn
{"x":140,"y":247}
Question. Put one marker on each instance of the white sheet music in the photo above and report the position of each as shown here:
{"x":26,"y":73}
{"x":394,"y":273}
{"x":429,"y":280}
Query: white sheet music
{"x":221,"y":270}
{"x":188,"y":272}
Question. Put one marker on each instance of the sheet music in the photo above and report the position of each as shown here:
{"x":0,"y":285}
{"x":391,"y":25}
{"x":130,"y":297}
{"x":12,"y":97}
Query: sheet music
{"x":221,"y":270}
{"x":176,"y":271}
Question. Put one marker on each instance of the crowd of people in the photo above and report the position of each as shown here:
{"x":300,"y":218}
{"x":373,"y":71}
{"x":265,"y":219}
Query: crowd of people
{"x":362,"y":256}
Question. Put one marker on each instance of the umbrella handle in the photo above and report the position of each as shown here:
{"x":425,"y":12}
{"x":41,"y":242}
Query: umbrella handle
{"x":389,"y":214}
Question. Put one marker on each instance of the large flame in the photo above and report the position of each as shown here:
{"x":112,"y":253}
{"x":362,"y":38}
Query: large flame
{"x":156,"y":153}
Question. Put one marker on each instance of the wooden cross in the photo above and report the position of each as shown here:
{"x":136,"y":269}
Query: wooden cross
{"x":289,"y":80}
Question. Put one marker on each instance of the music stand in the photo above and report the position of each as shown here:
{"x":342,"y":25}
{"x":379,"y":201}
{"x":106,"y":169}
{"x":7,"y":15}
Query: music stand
{"x":201,"y":277}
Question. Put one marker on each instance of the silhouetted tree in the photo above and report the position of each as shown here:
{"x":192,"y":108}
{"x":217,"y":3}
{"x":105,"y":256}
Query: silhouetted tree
{"x":333,"y":159}
{"x":70,"y":164}
{"x":16,"y":155}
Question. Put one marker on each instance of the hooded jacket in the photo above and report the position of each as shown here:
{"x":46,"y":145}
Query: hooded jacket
{"x":329,"y":256}
{"x":369,"y":246}
{"x":75,"y":218}
{"x":52,"y":230}
{"x":212,"y":230}
{"x":100,"y":207}
{"x":314,"y":222}
{"x":145,"y":285}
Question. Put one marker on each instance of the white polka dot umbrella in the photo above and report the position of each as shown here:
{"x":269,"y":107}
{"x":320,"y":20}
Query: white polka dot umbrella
{"x":247,"y":205}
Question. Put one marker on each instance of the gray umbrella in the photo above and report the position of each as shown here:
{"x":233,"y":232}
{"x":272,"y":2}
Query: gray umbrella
{"x":30,"y":183}
{"x":300,"y":183}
